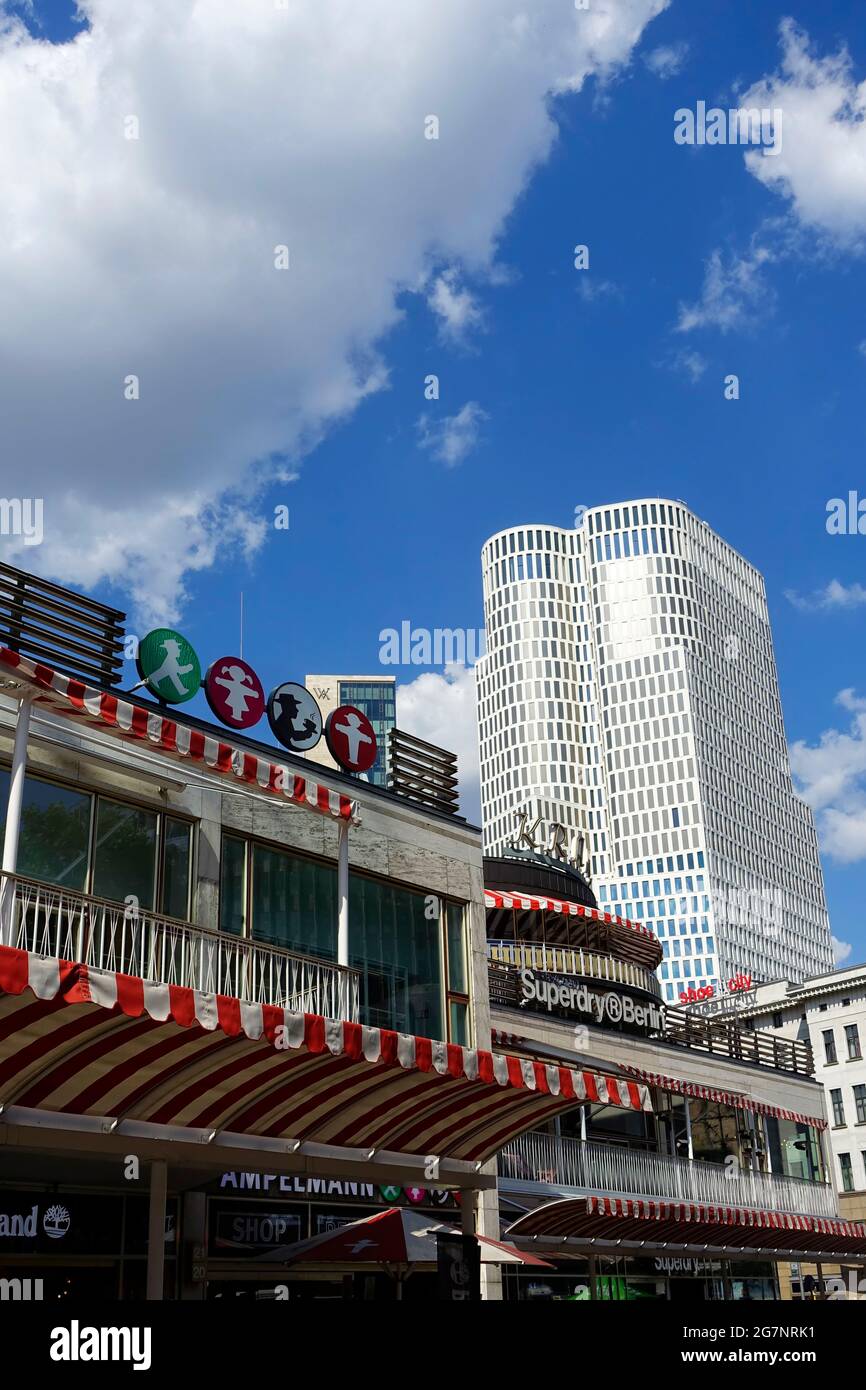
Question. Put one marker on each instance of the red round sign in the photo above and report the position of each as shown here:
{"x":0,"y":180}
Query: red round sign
{"x":351,"y":739}
{"x":234,"y":692}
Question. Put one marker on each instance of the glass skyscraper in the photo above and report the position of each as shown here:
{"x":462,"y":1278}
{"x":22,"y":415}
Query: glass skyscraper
{"x":374,"y":696}
{"x":629,"y":691}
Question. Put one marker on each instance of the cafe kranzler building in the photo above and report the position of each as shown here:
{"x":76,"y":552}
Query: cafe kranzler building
{"x":246,"y":1000}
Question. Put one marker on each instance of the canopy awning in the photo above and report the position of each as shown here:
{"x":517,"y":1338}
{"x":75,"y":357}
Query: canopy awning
{"x":736,"y":1099}
{"x":633,"y":1224}
{"x":392,"y":1237}
{"x":82,"y":1041}
{"x":599,"y":930}
{"x":524,"y":902}
{"x":139,"y":723}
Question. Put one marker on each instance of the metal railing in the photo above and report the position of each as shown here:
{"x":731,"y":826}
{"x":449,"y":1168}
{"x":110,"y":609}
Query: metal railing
{"x":728,"y":1039}
{"x":567,"y":960}
{"x":58,"y":922}
{"x":620,"y":1171}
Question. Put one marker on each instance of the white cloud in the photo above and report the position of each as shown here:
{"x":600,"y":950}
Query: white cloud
{"x":841,"y":950}
{"x":442,"y":710}
{"x":456,"y":308}
{"x":258,"y":127}
{"x":821,"y":168}
{"x":831,"y":776}
{"x":692,"y":363}
{"x":666,"y":60}
{"x":590,"y":290}
{"x":735,"y":293}
{"x":834,"y":595}
{"x":452,"y":438}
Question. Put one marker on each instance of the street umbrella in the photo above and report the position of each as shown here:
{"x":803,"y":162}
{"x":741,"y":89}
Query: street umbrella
{"x":396,"y":1239}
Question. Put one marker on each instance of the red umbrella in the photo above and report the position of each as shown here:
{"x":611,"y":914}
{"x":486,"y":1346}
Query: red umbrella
{"x":398,"y":1239}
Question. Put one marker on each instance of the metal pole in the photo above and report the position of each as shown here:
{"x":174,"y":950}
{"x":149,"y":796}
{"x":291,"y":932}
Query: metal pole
{"x":343,"y":916}
{"x":689,"y":1127}
{"x":156,"y":1231}
{"x":13,"y":815}
{"x":467,"y":1211}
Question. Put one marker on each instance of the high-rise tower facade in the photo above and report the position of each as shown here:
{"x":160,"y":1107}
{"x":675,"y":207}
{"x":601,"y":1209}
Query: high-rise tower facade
{"x":629,"y":691}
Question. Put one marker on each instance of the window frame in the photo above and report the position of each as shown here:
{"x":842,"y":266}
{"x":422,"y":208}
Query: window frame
{"x":444,"y":902}
{"x":162,"y":813}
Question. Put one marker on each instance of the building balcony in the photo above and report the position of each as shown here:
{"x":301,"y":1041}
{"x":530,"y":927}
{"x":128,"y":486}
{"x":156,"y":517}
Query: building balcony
{"x":58,"y":923}
{"x":567,"y":960}
{"x":562,"y":1166}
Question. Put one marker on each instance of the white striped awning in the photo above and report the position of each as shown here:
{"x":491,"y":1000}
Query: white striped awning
{"x":82,"y":1041}
{"x":639,"y":1221}
{"x":143,"y":724}
{"x":733,"y":1098}
{"x":524,"y":902}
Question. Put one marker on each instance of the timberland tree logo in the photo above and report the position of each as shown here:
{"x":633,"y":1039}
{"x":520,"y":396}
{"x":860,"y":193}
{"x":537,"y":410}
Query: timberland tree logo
{"x":55,"y":1222}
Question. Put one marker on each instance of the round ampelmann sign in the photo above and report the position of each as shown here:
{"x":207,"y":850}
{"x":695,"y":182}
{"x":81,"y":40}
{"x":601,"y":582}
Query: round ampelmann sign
{"x":168,"y":665}
{"x":234,"y":692}
{"x":351,"y":739}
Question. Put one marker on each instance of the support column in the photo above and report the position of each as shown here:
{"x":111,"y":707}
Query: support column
{"x":345,"y":1009}
{"x":13,"y":817}
{"x":156,"y":1231}
{"x":689,"y":1127}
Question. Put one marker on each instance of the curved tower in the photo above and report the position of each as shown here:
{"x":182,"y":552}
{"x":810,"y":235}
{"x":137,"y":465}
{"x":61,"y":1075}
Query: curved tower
{"x":629,"y":692}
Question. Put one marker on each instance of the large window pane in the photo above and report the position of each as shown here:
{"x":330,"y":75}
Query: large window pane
{"x":55,"y":831}
{"x":233,"y":885}
{"x":391,"y":941}
{"x":457,"y":980}
{"x":125,"y":852}
{"x":175,"y":867}
{"x":396,"y":947}
{"x":294,"y":903}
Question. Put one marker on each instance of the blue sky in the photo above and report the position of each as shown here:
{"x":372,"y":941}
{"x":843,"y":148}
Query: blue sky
{"x":578,"y":387}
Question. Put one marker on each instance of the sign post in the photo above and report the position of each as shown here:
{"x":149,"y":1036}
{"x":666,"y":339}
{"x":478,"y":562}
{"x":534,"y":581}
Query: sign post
{"x":458,"y":1265}
{"x":13,"y":817}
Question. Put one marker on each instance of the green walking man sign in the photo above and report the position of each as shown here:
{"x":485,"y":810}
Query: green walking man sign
{"x":168,"y":665}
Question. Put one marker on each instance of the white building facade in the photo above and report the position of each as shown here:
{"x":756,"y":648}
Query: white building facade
{"x":629,"y":692}
{"x":829,"y":1012}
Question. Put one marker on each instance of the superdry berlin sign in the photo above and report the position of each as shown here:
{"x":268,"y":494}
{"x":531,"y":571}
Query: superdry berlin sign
{"x":561,"y":995}
{"x":169,"y":667}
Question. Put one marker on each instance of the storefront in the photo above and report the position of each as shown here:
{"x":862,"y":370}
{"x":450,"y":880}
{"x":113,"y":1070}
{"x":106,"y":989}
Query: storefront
{"x":730,"y":1156}
{"x":663,"y":1278}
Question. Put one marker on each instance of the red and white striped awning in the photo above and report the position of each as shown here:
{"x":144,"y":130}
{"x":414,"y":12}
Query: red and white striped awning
{"x":144,"y":724}
{"x":639,"y":1222}
{"x":78,"y":1040}
{"x":732,"y":1098}
{"x":523,"y":902}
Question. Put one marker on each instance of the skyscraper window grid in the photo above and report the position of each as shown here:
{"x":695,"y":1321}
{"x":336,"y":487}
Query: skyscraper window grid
{"x":629,"y":691}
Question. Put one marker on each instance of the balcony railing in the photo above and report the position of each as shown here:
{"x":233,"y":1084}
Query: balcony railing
{"x":728,"y":1039}
{"x":565,"y":960}
{"x":57,"y":922}
{"x":622,"y":1172}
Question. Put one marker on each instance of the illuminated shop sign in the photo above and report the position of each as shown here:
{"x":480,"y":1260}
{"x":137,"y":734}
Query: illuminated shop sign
{"x":169,"y":666}
{"x":553,"y":840}
{"x":27,"y":1225}
{"x":558,"y":994}
{"x":295,"y":1185}
{"x":737,"y":984}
